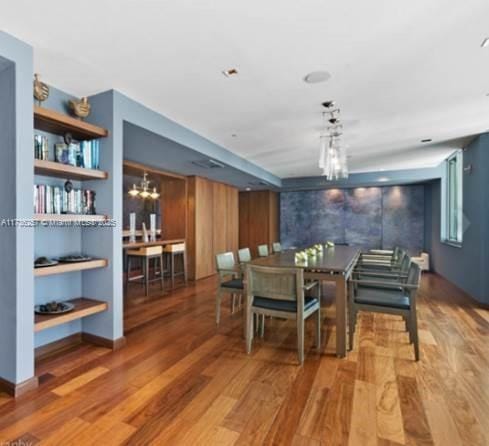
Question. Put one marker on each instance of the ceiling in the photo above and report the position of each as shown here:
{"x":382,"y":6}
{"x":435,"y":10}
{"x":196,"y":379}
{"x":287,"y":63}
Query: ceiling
{"x":400,"y":71}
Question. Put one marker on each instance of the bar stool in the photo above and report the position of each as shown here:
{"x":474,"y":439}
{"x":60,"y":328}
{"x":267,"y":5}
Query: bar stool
{"x":171,"y":251}
{"x":146,"y":254}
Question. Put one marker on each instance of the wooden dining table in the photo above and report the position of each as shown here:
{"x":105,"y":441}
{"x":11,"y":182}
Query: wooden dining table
{"x":334,"y":264}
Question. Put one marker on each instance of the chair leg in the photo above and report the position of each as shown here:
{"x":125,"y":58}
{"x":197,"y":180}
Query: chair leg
{"x":414,"y":333}
{"x":300,"y":339}
{"x":218,"y":306}
{"x":146,"y":275}
{"x":162,"y":274}
{"x":233,"y":303}
{"x":185,"y":265}
{"x":172,"y":270}
{"x":249,"y":329}
{"x":318,"y":328}
{"x":262,"y":326}
{"x":128,"y":270}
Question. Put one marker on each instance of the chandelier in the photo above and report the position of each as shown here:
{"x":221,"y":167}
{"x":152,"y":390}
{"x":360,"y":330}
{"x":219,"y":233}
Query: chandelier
{"x":143,"y":190}
{"x":332,"y":154}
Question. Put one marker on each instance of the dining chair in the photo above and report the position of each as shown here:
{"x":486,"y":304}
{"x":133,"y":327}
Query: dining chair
{"x":146,"y":255}
{"x":388,"y":274}
{"x":230,"y":281}
{"x":392,"y":297}
{"x":280,"y":292}
{"x":244,"y":255}
{"x":263,"y":251}
{"x":389,"y":263}
{"x":276,"y":247}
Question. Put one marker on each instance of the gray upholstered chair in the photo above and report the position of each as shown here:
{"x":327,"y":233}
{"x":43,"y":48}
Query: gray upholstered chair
{"x":280,"y":292}
{"x":390,"y":264}
{"x":387,"y":274}
{"x":230,"y":281}
{"x":244,"y":255}
{"x":277,"y":247}
{"x":392,"y":297}
{"x":263,"y":251}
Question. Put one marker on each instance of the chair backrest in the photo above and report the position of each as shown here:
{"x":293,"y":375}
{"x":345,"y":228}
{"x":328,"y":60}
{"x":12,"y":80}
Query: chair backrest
{"x":244,"y":255}
{"x":225,"y":261}
{"x":277,"y":247}
{"x":275,"y":283}
{"x":263,"y":250}
{"x":414,"y":275}
{"x":405,"y":262}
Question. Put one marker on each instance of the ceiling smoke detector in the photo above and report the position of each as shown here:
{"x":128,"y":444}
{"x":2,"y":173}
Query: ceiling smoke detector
{"x":230,"y":72}
{"x":316,"y":77}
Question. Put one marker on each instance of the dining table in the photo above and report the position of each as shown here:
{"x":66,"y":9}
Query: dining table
{"x":332,"y":264}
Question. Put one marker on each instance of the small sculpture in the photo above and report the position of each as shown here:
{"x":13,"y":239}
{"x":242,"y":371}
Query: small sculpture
{"x":41,"y":90}
{"x":80,"y":108}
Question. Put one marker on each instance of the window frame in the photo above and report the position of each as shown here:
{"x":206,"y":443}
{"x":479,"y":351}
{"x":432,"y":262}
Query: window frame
{"x":452,"y":201}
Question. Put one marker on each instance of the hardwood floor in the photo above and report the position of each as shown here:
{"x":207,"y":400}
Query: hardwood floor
{"x":181,"y":381}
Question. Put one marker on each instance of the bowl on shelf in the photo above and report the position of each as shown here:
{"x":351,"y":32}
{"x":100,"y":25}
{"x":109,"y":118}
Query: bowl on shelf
{"x":42,"y":262}
{"x":74,"y":258}
{"x":54,"y":308}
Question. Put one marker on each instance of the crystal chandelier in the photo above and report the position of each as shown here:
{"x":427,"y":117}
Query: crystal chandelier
{"x":332,"y":154}
{"x":143,"y":190}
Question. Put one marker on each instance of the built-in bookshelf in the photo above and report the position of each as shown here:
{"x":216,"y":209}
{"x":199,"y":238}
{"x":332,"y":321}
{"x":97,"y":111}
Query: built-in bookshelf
{"x":58,"y":170}
{"x":62,"y":268}
{"x":83,"y":307}
{"x":57,"y":123}
{"x":52,"y":121}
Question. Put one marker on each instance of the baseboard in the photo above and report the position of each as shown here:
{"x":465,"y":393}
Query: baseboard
{"x":55,"y":347}
{"x":20,"y":389}
{"x":113,"y":344}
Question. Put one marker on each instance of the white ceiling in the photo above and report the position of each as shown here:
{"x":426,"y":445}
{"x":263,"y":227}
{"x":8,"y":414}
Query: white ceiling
{"x":401,"y":71}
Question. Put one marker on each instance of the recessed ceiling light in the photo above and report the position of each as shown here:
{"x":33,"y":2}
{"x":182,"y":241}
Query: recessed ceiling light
{"x":383,"y":179}
{"x":426,"y":140}
{"x":248,"y":189}
{"x":316,"y":77}
{"x":230,"y":72}
{"x":485,"y":42}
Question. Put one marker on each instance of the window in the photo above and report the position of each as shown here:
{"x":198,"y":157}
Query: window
{"x":452,"y":214}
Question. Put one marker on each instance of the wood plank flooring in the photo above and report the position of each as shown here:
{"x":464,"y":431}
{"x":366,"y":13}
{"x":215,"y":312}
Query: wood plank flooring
{"x":182,"y":381}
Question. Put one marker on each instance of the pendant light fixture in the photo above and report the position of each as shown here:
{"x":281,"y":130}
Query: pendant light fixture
{"x":332,"y":152}
{"x":143,"y":190}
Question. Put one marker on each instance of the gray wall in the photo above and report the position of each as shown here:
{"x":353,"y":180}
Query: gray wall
{"x":468,"y":266}
{"x":370,"y":217}
{"x":16,"y":180}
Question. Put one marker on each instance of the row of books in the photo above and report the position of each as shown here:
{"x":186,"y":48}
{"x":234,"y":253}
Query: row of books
{"x":79,"y":154}
{"x":56,"y":200}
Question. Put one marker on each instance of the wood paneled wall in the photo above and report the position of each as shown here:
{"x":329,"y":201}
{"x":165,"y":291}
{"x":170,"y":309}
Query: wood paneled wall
{"x":258,"y":219}
{"x":212,"y":224}
{"x":173,"y":203}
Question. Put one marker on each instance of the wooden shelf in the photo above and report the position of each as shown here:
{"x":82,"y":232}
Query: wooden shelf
{"x":58,"y":170}
{"x":70,"y":217}
{"x":62,"y":268}
{"x":58,"y":123}
{"x":83,"y":307}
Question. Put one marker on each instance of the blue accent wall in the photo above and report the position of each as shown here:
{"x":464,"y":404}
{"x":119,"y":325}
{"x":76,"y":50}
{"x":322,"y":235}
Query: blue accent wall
{"x":374,"y":217}
{"x":467,"y":266}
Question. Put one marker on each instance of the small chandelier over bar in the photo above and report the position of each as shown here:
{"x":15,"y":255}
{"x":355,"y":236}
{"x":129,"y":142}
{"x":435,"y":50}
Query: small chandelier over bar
{"x":143,"y":190}
{"x":332,"y":153}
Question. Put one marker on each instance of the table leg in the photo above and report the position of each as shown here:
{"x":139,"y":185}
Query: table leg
{"x":341,"y":326}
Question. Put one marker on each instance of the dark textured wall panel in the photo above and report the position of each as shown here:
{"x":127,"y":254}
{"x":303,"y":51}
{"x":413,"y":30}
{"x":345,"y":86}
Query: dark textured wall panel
{"x":363,"y":217}
{"x":371,"y":217}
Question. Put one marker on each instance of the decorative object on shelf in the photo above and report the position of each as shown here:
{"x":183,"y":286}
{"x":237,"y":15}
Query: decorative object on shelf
{"x":145,"y":234}
{"x":54,"y":308}
{"x":41,"y":148}
{"x":152,"y":227}
{"x":143,"y":190}
{"x":81,"y":108}
{"x":42,"y":262}
{"x":41,"y":90}
{"x":332,"y":155}
{"x":132,"y":227}
{"x":75,"y":258}
{"x":68,"y":138}
{"x":68,"y":186}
